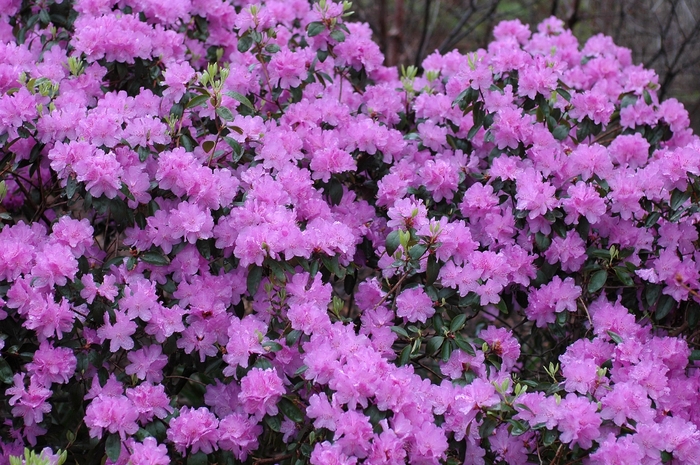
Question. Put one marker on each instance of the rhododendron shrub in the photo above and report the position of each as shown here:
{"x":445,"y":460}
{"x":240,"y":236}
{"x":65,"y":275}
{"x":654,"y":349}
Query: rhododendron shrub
{"x":230,"y":234}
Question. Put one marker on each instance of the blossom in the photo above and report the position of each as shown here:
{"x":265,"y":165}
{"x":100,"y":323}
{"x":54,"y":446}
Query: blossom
{"x":260,"y":392}
{"x":195,"y":428}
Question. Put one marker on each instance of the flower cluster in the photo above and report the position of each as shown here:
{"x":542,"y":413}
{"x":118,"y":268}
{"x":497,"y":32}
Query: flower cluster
{"x":229,"y":233}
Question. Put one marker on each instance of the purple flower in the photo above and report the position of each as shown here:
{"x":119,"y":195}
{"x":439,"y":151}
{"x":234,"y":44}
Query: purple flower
{"x":195,"y":428}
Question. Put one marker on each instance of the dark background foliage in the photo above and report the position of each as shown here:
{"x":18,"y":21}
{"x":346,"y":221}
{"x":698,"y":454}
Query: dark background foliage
{"x":662,"y":34}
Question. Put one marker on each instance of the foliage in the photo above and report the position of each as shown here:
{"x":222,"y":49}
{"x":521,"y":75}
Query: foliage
{"x":232,"y":235}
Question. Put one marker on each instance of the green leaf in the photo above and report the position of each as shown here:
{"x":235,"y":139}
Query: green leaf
{"x":432,"y":271}
{"x":615,"y":337}
{"x":71,"y":187}
{"x":155,"y":258}
{"x":434,"y":344}
{"x":400,"y":331}
{"x":393,"y":242}
{"x":113,"y":447}
{"x":666,"y":304}
{"x":652,"y":219}
{"x":244,"y":43}
{"x":5,"y":372}
{"x":597,"y":281}
{"x":542,"y":241}
{"x":255,"y":274}
{"x":560,"y":132}
{"x":274,"y":423}
{"x":338,"y":35}
{"x":694,"y":355}
{"x":417,"y":251}
{"x":335,"y":191}
{"x":487,"y":427}
{"x":549,"y":437}
{"x":652,"y":293}
{"x":272,"y":345}
{"x":200,"y":458}
{"x":293,"y":337}
{"x":240,"y":98}
{"x":463,"y":345}
{"x":678,"y":198}
{"x":624,"y":276}
{"x":315,"y":28}
{"x":564,"y":93}
{"x":290,"y":410}
{"x":457,"y":322}
{"x":196,"y":101}
{"x":518,"y":427}
{"x":405,"y":356}
{"x":224,"y":113}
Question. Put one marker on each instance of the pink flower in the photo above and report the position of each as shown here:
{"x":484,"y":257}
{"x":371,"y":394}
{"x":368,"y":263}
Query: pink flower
{"x":52,"y":364}
{"x":195,"y":428}
{"x":29,"y":403}
{"x":239,"y":434}
{"x":147,"y":363}
{"x":116,"y":414}
{"x":149,"y":453}
{"x":118,"y":333}
{"x":414,"y":305}
{"x":578,"y":421}
{"x":260,"y":392}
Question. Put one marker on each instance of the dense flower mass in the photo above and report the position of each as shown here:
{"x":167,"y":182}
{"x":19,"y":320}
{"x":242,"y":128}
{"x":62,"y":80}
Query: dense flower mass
{"x":229,"y":233}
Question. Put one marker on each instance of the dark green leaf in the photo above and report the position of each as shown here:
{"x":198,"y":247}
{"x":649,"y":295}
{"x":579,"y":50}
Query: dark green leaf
{"x":155,"y":258}
{"x":647,"y":97}
{"x":272,"y":48}
{"x":549,"y":437}
{"x":198,"y":100}
{"x":652,"y":219}
{"x":293,"y":337}
{"x":564,"y":93}
{"x":200,"y":458}
{"x":338,"y":35}
{"x":400,"y":331}
{"x":240,"y":98}
{"x":666,"y":304}
{"x":405,"y":356}
{"x":224,"y":113}
{"x":315,"y":28}
{"x":204,"y":248}
{"x":518,"y":427}
{"x":113,"y":447}
{"x":290,"y":410}
{"x":5,"y":372}
{"x":432,"y":270}
{"x":457,"y":322}
{"x":434,"y":344}
{"x":417,"y":251}
{"x":463,"y":345}
{"x":392,"y":242}
{"x":678,"y":198}
{"x":255,"y":274}
{"x":615,"y":337}
{"x":274,"y":423}
{"x":244,"y":43}
{"x":652,"y":293}
{"x":335,"y":191}
{"x":71,"y":187}
{"x":542,"y":241}
{"x":597,"y":281}
{"x":272,"y":345}
{"x":487,"y":427}
{"x":694,"y":355}
{"x":624,"y":276}
{"x":561,"y":132}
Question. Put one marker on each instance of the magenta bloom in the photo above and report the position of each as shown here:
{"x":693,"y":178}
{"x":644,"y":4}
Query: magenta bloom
{"x":414,"y":305}
{"x":195,"y":428}
{"x":260,"y":392}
